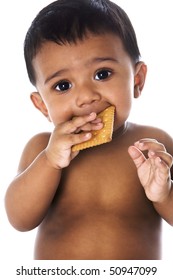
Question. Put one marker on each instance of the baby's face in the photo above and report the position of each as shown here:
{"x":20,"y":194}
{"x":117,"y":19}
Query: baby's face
{"x":77,"y":79}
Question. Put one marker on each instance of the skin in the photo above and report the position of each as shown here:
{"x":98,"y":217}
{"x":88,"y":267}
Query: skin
{"x":105,"y":202}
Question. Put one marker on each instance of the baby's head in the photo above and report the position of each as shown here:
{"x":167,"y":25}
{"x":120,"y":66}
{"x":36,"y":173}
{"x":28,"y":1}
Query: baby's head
{"x":65,"y":21}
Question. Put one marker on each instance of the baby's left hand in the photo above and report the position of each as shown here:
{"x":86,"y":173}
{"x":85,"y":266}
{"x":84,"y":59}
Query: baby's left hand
{"x":154,"y":171}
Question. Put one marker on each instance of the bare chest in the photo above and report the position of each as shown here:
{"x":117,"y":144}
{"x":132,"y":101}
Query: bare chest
{"x":104,"y":180}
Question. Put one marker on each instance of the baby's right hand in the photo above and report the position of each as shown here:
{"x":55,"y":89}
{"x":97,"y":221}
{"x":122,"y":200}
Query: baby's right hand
{"x":65,"y":135}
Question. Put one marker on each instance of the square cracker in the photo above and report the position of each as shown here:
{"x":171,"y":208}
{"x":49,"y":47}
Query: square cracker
{"x":101,"y":136}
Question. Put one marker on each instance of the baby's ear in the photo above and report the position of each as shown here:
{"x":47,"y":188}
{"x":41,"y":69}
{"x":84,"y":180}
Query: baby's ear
{"x":139,"y":78}
{"x":39,"y":104}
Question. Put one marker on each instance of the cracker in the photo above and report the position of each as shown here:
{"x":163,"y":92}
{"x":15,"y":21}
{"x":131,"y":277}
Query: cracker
{"x":101,"y":136}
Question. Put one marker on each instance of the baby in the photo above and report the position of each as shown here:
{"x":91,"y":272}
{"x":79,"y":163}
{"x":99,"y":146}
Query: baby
{"x":106,"y":201}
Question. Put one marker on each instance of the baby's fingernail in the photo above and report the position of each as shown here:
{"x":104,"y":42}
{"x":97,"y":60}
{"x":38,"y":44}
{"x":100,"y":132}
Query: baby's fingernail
{"x":87,"y":135}
{"x":159,"y":160}
{"x":152,"y":153}
{"x":92,"y":114}
{"x":139,"y":144}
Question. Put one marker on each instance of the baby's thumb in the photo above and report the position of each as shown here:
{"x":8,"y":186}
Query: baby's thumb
{"x":136,"y":155}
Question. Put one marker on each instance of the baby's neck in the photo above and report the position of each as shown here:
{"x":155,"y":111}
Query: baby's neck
{"x":120,"y":131}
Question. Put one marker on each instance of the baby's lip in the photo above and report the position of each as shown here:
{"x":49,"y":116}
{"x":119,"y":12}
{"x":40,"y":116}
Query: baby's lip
{"x":93,"y":110}
{"x":98,"y":110}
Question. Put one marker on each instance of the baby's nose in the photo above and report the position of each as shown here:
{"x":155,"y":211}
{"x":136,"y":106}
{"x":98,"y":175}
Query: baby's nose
{"x":86,"y":97}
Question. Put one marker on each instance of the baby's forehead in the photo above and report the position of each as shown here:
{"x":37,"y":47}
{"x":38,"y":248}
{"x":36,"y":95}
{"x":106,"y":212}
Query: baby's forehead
{"x":90,"y":50}
{"x":94,"y":41}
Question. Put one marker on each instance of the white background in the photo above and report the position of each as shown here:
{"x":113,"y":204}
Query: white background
{"x":153,"y":23}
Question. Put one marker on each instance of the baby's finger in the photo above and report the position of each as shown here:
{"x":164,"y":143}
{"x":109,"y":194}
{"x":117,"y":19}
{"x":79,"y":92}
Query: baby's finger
{"x":90,"y":126}
{"x":150,"y":144}
{"x":164,"y":156}
{"x":137,"y":156}
{"x":97,"y":120}
{"x":76,"y":123}
{"x":79,"y":138}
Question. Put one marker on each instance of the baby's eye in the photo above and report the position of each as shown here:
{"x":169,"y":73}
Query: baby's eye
{"x":63,"y":86}
{"x":103,"y":74}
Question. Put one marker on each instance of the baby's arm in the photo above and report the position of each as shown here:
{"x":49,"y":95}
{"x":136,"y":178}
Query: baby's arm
{"x":31,"y":192}
{"x":155,"y":175}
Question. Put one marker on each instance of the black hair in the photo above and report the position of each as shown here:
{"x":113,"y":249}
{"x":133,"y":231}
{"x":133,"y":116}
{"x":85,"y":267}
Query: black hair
{"x":66,"y":21}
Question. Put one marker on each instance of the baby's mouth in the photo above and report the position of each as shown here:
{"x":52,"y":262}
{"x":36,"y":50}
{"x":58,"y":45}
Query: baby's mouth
{"x":93,"y":110}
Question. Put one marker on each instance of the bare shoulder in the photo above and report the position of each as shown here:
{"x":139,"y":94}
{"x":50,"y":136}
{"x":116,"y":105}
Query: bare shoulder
{"x":143,"y":131}
{"x":34,"y":146}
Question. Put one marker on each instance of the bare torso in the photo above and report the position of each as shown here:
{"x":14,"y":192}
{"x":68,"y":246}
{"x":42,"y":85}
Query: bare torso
{"x":100,"y":210}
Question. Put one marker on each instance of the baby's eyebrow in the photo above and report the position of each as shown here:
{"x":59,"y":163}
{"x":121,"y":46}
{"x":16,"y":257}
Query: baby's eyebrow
{"x":102,"y":59}
{"x":56,"y":74}
{"x":90,"y":62}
